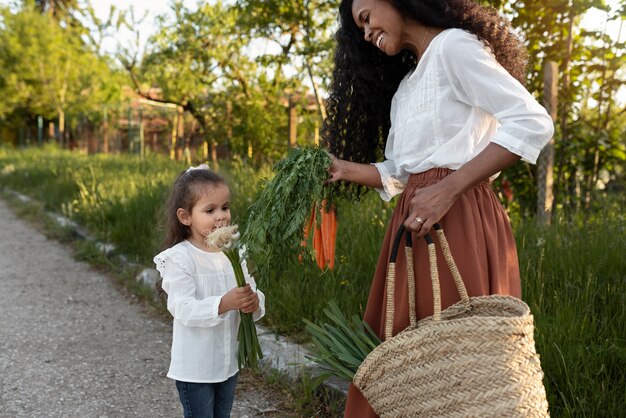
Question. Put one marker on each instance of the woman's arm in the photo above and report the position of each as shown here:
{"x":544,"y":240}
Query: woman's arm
{"x":363,"y":174}
{"x":433,"y":202}
{"x":525,"y":127}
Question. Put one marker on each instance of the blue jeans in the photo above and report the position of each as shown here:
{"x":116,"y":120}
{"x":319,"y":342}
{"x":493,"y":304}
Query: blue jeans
{"x":207,"y":400}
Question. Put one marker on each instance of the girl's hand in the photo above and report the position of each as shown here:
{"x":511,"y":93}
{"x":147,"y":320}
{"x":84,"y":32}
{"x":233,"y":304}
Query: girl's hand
{"x":239,"y":298}
{"x":252,"y":305}
{"x":428,"y":206}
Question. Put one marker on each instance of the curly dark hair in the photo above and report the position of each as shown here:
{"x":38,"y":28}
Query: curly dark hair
{"x":365,"y":79}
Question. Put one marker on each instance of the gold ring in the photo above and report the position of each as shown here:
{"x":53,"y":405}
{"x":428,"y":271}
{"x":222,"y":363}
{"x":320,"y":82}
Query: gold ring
{"x":419,"y":220}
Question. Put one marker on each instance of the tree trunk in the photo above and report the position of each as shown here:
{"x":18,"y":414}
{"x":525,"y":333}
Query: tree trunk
{"x":545,"y":163}
{"x":318,"y":99}
{"x":564,"y":105}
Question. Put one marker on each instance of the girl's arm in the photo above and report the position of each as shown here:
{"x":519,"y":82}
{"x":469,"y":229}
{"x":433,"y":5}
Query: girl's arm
{"x":181,"y":289}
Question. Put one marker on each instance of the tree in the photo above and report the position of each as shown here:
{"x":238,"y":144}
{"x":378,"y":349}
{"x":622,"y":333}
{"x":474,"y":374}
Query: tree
{"x":303,"y":32}
{"x":48,"y":70}
{"x":198,"y":61}
{"x":552,"y":32}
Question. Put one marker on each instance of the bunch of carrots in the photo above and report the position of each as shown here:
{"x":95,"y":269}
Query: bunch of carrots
{"x":324,"y":233}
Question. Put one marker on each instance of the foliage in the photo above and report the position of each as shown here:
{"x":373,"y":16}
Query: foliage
{"x":589,"y":144}
{"x":301,"y":30}
{"x":234,"y":66}
{"x":49,"y":70}
{"x":341,"y":345}
{"x":573,"y":271}
{"x":276,"y":219}
{"x":201,"y":60}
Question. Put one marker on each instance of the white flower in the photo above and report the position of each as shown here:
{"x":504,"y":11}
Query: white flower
{"x":223,"y":238}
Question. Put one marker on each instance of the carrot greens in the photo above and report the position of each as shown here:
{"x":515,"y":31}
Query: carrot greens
{"x":277,"y":218}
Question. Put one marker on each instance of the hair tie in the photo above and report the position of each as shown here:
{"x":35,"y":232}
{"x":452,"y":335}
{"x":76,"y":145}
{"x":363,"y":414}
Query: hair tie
{"x":200,"y":167}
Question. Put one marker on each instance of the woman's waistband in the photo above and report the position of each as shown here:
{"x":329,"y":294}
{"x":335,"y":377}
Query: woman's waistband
{"x":432,"y":176}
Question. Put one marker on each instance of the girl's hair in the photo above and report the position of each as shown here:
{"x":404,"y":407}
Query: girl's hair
{"x":188,"y":186}
{"x":365,"y":79}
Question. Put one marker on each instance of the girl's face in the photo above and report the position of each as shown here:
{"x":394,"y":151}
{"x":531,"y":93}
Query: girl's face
{"x":381,"y":23}
{"x":211,"y":211}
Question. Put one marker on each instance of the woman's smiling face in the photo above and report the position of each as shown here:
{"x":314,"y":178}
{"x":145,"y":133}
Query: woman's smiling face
{"x":381,"y":24}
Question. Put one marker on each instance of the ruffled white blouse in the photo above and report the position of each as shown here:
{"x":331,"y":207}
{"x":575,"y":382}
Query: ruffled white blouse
{"x":451,"y":106}
{"x":204,"y":344}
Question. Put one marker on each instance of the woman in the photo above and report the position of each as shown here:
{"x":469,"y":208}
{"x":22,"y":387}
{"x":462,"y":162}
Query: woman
{"x":436,"y":86}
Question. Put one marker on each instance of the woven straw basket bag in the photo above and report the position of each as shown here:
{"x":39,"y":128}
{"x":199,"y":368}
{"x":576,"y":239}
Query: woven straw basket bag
{"x":476,"y":358}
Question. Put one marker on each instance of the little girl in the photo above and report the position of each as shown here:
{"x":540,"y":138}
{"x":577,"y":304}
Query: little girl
{"x":202,"y":295}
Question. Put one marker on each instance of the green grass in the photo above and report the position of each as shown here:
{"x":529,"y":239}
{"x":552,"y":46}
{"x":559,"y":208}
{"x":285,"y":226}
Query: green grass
{"x":118,"y":198}
{"x":573,"y":272}
{"x":574,"y":280}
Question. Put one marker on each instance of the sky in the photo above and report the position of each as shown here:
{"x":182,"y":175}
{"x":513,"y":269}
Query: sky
{"x":593,"y":20}
{"x":153,"y":8}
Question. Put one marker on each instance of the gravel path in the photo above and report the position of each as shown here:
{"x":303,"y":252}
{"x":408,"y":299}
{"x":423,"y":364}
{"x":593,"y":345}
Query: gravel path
{"x":71,"y":345}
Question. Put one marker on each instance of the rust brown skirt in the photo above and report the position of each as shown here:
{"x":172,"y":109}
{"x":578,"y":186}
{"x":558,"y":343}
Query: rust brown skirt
{"x":482,"y":244}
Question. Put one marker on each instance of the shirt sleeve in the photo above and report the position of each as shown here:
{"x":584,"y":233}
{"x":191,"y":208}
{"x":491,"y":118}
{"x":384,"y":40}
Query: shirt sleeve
{"x":391,"y":185}
{"x":176,"y":271}
{"x":479,"y":80}
{"x":259,"y":313}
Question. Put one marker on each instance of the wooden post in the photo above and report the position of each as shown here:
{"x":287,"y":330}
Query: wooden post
{"x":180,"y":133}
{"x":173,"y":138}
{"x":545,"y":162}
{"x":61,"y":127}
{"x":105,"y":130}
{"x":229,"y":121}
{"x":39,"y":130}
{"x":142,"y":140}
{"x":293,"y":122}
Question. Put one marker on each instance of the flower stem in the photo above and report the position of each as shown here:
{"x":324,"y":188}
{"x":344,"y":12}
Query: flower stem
{"x":249,"y":347}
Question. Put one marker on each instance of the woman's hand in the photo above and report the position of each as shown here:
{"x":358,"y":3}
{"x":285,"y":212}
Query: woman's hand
{"x":428,"y":206}
{"x":335,"y":169}
{"x":363,"y":174}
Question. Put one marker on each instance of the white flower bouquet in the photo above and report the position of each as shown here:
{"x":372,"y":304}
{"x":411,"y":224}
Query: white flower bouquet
{"x":227,"y":240}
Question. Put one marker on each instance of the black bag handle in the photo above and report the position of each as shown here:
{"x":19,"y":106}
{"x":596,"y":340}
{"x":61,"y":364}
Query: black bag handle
{"x":434,"y":275}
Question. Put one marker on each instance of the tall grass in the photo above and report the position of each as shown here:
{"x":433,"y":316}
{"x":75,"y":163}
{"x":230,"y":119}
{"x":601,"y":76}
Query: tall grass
{"x":574,"y":280}
{"x":573,"y":272}
{"x":118,"y":198}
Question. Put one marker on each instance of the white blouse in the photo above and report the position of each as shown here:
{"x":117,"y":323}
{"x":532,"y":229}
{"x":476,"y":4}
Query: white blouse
{"x":448,"y":109}
{"x":204,"y":344}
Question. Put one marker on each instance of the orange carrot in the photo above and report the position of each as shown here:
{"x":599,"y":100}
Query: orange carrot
{"x":328,"y":228}
{"x":317,"y":247}
{"x":325,"y":225}
{"x":332,"y":237}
